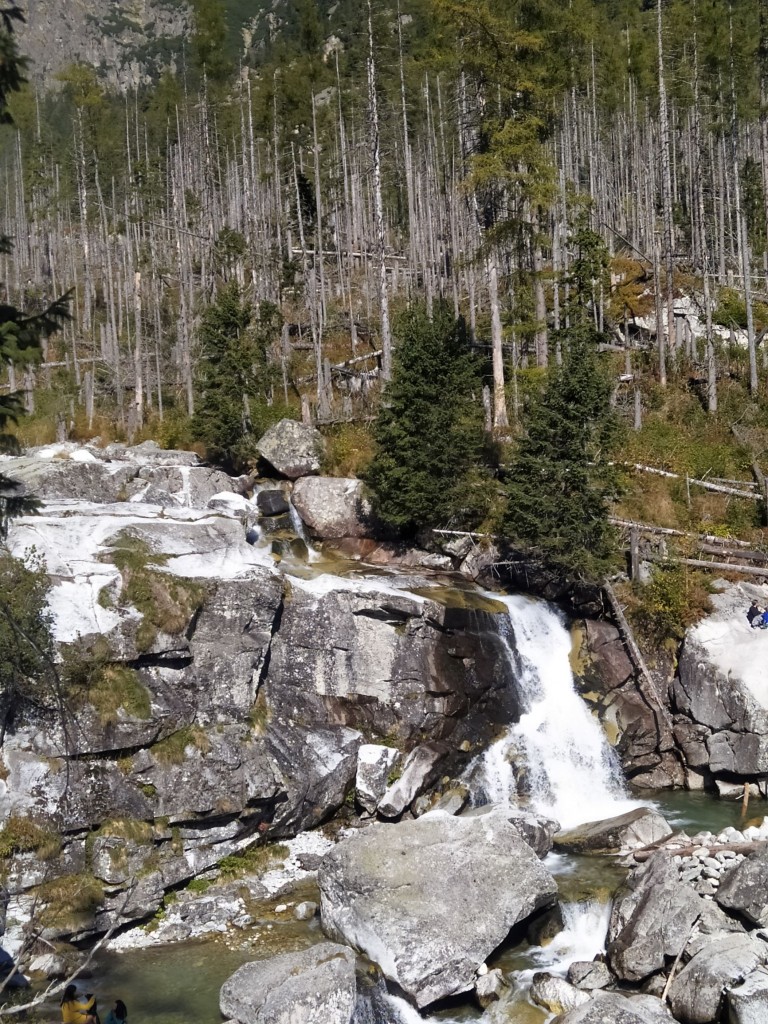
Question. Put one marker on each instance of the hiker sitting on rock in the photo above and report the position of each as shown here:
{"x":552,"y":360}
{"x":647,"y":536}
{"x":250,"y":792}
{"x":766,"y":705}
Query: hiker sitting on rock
{"x":757,"y":616}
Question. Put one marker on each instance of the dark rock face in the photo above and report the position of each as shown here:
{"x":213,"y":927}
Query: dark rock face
{"x":389,"y":664}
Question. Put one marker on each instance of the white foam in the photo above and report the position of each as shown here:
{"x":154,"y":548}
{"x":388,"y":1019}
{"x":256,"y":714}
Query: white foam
{"x":571,"y":774}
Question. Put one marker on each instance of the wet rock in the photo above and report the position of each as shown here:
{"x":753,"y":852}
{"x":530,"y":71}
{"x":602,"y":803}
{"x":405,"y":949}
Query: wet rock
{"x":333,"y":507}
{"x":651,"y":919}
{"x":748,"y":1002}
{"x":538,"y":832}
{"x":272,"y":503}
{"x":545,"y":926}
{"x":430,"y":899}
{"x":490,"y":987}
{"x":292,"y":449}
{"x":305,"y":911}
{"x":744,"y":888}
{"x":609,"y":664}
{"x":313,"y":985}
{"x":421,"y":768}
{"x":374,"y":764}
{"x":613,"y":1008}
{"x":589,"y":974}
{"x":696,"y":994}
{"x":389,"y":664}
{"x":452,"y":801}
{"x":629,"y":831}
{"x":182,"y":486}
{"x":556,"y":994}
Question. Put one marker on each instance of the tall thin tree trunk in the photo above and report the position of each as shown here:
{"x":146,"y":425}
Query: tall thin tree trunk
{"x":373,"y":105}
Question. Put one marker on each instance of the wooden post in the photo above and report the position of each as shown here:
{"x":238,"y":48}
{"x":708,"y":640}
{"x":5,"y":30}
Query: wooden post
{"x":634,"y":554}
{"x":745,"y":800}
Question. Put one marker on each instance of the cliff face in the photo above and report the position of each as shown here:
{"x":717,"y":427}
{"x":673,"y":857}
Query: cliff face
{"x":128,"y":41}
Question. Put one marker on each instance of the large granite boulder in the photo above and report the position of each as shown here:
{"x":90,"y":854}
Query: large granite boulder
{"x":629,"y":831}
{"x":744,"y":889}
{"x":696,"y":996}
{"x":615,"y":1008}
{"x":430,"y":899}
{"x":651,"y":919}
{"x":374,"y":764}
{"x":748,"y":1002}
{"x":722,"y":686}
{"x":333,"y":507}
{"x":292,"y":449}
{"x":314,"y":986}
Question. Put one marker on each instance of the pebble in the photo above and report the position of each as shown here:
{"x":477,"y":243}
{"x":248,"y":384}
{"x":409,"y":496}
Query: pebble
{"x":281,"y":908}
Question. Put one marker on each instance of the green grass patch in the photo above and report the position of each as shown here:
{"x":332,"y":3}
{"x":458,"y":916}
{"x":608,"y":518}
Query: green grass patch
{"x":69,"y":901}
{"x":349,"y":448}
{"x":173,"y":749}
{"x":254,"y":860}
{"x":166,"y":603}
{"x":22,"y":835}
{"x":259,"y":714}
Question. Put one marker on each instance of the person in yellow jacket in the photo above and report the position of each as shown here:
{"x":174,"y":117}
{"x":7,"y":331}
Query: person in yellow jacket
{"x":76,"y":1009}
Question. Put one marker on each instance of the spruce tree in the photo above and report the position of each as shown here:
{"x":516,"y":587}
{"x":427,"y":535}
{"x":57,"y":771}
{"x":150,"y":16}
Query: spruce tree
{"x":429,"y":431}
{"x":235,"y":377}
{"x":559,"y":482}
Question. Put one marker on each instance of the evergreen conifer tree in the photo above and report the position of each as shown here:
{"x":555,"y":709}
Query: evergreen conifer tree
{"x":429,"y":432}
{"x":20,"y":333}
{"x":559,"y":482}
{"x":235,"y":377}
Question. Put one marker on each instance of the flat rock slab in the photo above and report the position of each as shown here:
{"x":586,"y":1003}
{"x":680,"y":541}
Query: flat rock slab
{"x":748,"y":1002}
{"x":314,"y":986}
{"x":429,"y":900}
{"x":629,"y":831}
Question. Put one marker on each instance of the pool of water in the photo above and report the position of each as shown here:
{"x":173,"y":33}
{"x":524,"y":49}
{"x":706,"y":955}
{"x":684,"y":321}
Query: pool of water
{"x":179,"y":983}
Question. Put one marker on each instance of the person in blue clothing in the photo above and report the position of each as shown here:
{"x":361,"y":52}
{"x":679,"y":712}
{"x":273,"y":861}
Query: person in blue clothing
{"x":118,"y":1014}
{"x":757,"y":616}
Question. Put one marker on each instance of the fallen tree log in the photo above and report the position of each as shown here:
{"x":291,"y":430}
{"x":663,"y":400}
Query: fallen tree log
{"x":686,"y":851}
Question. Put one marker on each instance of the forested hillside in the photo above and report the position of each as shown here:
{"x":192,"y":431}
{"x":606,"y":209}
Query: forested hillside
{"x":533,"y":166}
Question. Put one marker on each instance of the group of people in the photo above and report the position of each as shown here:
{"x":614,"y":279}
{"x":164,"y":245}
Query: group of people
{"x":757,"y":616}
{"x":79,"y":1007}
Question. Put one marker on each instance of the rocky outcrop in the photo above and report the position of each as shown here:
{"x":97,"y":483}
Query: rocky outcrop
{"x":696,"y":996}
{"x":317,"y":984}
{"x":334,"y":507}
{"x":429,"y":899}
{"x":213,"y":702}
{"x":720,"y":694}
{"x":374,"y":763}
{"x":129,"y":43}
{"x":292,"y":449}
{"x":744,"y":888}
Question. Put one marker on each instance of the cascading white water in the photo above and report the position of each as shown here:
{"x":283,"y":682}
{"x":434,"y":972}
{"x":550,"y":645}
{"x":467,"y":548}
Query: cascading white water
{"x":570,"y":772}
{"x":297,"y":524}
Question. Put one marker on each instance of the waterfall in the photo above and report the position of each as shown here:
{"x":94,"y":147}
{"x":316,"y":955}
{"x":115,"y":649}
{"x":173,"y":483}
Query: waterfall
{"x":557,"y":755}
{"x":297,"y":524}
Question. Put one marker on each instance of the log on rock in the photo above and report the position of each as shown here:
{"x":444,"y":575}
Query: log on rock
{"x":685,"y":851}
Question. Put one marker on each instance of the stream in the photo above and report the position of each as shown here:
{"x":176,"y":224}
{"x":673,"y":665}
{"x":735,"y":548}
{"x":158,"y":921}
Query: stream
{"x":571,"y":775}
{"x":555,"y":760}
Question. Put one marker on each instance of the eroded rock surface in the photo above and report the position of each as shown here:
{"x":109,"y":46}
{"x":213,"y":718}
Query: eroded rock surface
{"x":629,"y":831}
{"x":429,"y":899}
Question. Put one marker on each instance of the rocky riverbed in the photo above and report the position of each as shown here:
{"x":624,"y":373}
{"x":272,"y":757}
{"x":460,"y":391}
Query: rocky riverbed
{"x":230,"y":689}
